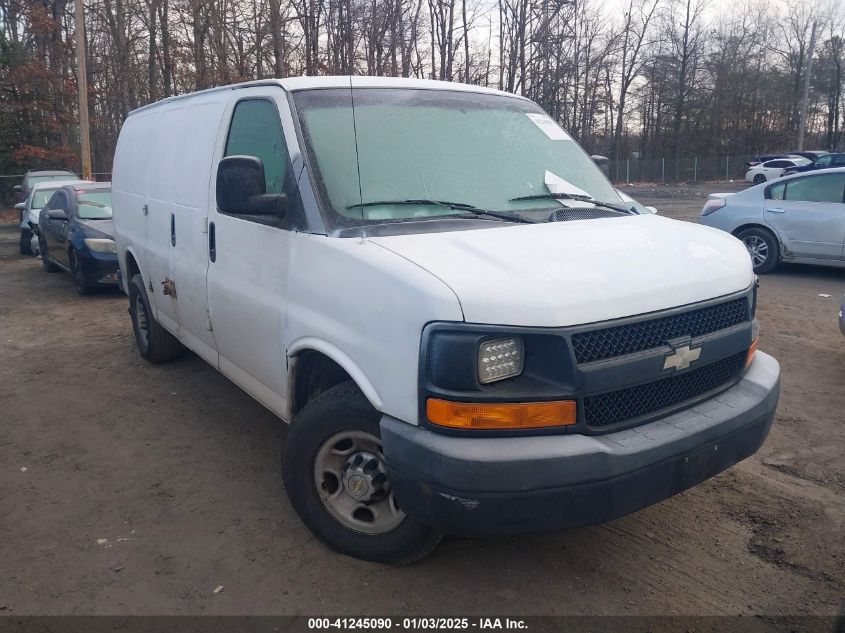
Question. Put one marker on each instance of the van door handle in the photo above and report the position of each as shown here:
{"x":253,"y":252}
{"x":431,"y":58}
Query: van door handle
{"x":775,"y":210}
{"x":212,"y":242}
{"x":172,"y":229}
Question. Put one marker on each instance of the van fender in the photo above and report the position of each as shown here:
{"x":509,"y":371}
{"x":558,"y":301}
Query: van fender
{"x":342,"y":359}
{"x":123,"y":261}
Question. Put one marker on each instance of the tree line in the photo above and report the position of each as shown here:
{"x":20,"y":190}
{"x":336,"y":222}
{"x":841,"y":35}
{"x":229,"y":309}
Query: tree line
{"x":633,"y":78}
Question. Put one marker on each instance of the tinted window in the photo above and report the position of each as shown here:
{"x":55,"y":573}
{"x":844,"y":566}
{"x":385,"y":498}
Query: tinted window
{"x":94,"y":204}
{"x":778,"y":163}
{"x":838,"y":159}
{"x":827,"y":188}
{"x":257,"y":131}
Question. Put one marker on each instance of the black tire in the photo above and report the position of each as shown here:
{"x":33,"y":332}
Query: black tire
{"x":764,"y":243}
{"x":344,"y":408}
{"x":26,"y":242}
{"x":76,"y":272}
{"x":759,"y":179}
{"x":155,"y":344}
{"x":46,"y":262}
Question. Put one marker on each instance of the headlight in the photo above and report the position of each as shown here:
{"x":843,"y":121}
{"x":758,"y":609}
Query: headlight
{"x":500,"y":359}
{"x":713,"y":204}
{"x":99,"y":245}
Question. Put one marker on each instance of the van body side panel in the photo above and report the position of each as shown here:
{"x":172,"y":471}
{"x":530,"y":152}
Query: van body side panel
{"x":197,"y":136}
{"x":129,"y":190}
{"x":371,"y":305}
{"x":164,"y":155}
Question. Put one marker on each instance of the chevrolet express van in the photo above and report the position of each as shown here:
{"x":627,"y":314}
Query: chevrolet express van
{"x":465,"y":327}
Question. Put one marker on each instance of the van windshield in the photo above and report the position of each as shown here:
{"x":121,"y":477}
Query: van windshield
{"x":418,"y":148}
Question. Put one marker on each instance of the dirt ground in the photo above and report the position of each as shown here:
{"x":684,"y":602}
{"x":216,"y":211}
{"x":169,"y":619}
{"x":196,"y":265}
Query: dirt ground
{"x":133,"y":489}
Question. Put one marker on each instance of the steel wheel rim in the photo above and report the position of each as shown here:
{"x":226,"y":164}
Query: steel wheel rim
{"x":758,"y":249}
{"x":141,"y":321}
{"x":351,"y":481}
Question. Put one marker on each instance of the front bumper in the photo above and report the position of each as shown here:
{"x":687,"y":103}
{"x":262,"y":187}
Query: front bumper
{"x":502,"y":485}
{"x":100,"y":268}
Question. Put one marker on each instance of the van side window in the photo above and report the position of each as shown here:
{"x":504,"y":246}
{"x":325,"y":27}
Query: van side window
{"x":257,"y":131}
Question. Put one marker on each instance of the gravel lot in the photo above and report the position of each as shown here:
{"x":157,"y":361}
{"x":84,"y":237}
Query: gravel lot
{"x":133,"y":489}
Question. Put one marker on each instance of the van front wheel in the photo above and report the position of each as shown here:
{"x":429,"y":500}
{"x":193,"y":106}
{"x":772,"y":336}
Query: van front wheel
{"x":336,"y":479}
{"x":155,"y":344}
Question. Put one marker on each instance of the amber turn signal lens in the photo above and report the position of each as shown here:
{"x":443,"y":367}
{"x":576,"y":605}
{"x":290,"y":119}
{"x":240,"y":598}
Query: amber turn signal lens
{"x":500,"y":415}
{"x":751,"y":351}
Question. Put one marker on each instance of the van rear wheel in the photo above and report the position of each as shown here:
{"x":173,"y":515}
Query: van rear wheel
{"x":335,"y":477}
{"x":155,"y":344}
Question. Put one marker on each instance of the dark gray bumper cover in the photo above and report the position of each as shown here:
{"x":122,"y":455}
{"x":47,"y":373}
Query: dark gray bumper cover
{"x":522,"y":484}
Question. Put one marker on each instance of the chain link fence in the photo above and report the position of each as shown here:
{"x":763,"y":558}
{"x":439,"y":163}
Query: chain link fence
{"x":685,"y":170}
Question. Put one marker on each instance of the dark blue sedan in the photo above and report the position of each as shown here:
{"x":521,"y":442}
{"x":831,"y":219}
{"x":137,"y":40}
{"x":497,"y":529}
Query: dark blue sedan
{"x":76,"y":235}
{"x":825,"y":161}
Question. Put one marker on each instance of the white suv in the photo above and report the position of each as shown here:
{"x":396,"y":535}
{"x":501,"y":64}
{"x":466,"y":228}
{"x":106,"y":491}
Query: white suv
{"x":466,"y":328}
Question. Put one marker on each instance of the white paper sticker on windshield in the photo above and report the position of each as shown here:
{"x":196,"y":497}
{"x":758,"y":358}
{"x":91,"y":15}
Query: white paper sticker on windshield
{"x":548,"y":126}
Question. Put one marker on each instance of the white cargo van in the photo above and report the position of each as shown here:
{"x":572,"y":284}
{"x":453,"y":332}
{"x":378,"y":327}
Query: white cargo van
{"x":466,"y":328}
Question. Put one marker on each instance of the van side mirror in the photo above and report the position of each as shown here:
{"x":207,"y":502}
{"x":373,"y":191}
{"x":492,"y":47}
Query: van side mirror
{"x":17,"y":188}
{"x":241,"y":188}
{"x":56,"y":214}
{"x":20,"y":206}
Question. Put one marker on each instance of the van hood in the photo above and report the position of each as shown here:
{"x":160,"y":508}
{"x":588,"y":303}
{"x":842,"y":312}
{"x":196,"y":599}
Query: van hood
{"x":572,"y":273}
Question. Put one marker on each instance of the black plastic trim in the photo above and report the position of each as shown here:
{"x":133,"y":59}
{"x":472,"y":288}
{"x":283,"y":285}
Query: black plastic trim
{"x":575,"y":381}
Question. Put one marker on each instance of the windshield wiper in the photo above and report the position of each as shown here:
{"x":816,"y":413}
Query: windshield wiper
{"x":457,"y":206}
{"x":576,"y":196}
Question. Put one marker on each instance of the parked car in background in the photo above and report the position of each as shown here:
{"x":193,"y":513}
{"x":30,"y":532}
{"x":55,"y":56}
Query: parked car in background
{"x":825,"y":161}
{"x":810,"y":155}
{"x":482,"y":346}
{"x":798,"y":219}
{"x":762,"y":158}
{"x":76,"y":235}
{"x":39,"y":194}
{"x":773,"y":169}
{"x":34,"y":176}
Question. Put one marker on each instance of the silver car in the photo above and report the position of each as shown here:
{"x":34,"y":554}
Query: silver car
{"x":799,"y":218}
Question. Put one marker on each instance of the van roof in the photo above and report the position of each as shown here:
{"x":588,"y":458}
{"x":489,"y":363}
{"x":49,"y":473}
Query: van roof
{"x":292,"y":84}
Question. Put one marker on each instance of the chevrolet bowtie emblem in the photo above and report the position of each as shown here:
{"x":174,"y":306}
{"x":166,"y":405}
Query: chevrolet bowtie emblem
{"x":681,"y":358}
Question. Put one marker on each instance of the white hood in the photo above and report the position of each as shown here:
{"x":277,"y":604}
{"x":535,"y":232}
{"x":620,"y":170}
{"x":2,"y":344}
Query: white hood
{"x":571,"y":273}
